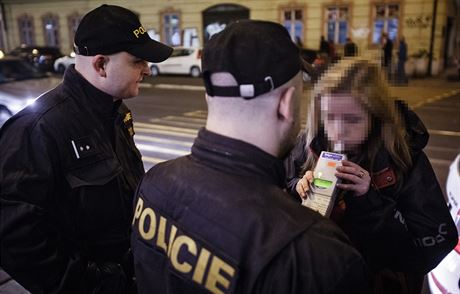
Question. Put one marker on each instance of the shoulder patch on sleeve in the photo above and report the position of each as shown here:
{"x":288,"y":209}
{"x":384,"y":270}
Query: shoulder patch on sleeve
{"x":384,"y":178}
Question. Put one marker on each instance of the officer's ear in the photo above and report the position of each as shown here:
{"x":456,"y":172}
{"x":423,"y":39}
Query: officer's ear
{"x":286,"y":105}
{"x":99,"y":63}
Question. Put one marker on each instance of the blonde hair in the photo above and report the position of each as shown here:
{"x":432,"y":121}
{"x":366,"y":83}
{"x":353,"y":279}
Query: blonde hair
{"x":363,"y":80}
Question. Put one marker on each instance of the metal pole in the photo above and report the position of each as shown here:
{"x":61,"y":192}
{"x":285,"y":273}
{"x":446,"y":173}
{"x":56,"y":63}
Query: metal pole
{"x":433,"y":28}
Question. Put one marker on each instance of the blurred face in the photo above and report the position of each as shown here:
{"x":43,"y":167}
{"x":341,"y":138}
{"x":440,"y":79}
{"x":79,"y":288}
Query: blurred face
{"x":345,"y":120}
{"x":124,"y":73}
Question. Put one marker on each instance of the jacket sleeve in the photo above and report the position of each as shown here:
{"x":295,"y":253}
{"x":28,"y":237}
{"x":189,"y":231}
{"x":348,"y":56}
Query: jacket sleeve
{"x":29,"y":246}
{"x":321,"y":260}
{"x":293,"y":165}
{"x":411,"y":231}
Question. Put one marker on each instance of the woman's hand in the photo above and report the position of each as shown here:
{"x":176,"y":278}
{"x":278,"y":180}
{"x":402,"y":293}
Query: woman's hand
{"x":303,"y":185}
{"x":358,"y":179}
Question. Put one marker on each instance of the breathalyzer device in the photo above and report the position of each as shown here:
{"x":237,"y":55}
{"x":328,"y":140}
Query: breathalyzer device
{"x":323,"y":190}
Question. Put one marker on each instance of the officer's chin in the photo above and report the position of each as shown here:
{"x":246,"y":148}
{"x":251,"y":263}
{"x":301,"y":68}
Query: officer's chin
{"x":286,"y":148}
{"x":289,"y":141}
{"x":131,"y":95}
{"x":285,"y":151}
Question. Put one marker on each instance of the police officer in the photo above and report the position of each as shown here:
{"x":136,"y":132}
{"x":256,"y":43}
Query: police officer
{"x":218,"y":220}
{"x":69,"y":166}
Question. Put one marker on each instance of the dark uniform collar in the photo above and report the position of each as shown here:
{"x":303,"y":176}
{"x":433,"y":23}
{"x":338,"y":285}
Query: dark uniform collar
{"x":88,"y":95}
{"x":237,"y":157}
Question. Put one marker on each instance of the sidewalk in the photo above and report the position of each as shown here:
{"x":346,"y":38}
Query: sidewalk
{"x":425,"y":90}
{"x":418,"y":92}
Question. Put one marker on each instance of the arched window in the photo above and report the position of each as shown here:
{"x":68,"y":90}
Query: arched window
{"x":26,"y":29}
{"x":51,"y":30}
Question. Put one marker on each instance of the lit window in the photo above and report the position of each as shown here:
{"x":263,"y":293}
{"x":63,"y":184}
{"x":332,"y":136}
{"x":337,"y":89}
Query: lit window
{"x":171,"y":28}
{"x":386,"y":19}
{"x":292,"y":19}
{"x":336,"y":24}
{"x":26,"y":29}
{"x":51,"y":30}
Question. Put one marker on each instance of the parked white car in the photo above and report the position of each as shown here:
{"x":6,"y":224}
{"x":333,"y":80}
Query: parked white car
{"x":62,"y":63}
{"x":445,"y":278}
{"x":182,"y":61}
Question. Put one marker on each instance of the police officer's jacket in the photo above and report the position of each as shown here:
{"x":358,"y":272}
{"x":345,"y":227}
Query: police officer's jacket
{"x":68,"y":172}
{"x":218,"y":221}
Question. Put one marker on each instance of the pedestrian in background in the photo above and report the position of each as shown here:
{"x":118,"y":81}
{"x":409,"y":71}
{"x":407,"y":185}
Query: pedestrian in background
{"x":69,"y":165}
{"x":402,"y":58}
{"x":320,"y":64}
{"x":332,"y":52}
{"x":299,"y":42}
{"x":350,"y":48}
{"x":457,"y":65}
{"x":218,"y":219}
{"x":387,"y":48}
{"x":389,"y":202}
{"x":323,"y":46}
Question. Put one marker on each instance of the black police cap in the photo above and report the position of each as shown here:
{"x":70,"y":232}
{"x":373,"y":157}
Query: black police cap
{"x":110,"y":29}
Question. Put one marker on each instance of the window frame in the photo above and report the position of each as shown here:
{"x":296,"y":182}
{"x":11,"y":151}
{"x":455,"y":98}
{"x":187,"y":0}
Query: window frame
{"x":55,"y":33}
{"x":292,"y":7}
{"x":164,"y":38}
{"x":373,"y":17}
{"x":22,"y":39}
{"x":325,"y":21}
{"x":73,"y":20}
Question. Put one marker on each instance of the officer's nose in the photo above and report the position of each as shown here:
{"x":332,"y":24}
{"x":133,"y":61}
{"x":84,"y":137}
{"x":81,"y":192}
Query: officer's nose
{"x":146,"y":69}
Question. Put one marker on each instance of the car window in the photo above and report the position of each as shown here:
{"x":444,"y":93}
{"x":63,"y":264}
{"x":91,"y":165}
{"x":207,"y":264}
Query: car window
{"x":175,"y":53}
{"x":16,"y":70}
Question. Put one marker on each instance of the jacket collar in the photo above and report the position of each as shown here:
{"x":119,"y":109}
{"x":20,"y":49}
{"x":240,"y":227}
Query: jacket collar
{"x":416,"y":131}
{"x":88,"y":95}
{"x":237,"y":157}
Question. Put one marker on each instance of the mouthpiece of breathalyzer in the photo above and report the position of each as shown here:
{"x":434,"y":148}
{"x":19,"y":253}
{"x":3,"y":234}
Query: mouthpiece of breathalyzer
{"x":339,"y":147}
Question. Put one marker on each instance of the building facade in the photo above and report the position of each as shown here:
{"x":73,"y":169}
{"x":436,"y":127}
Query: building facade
{"x":429,"y":26}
